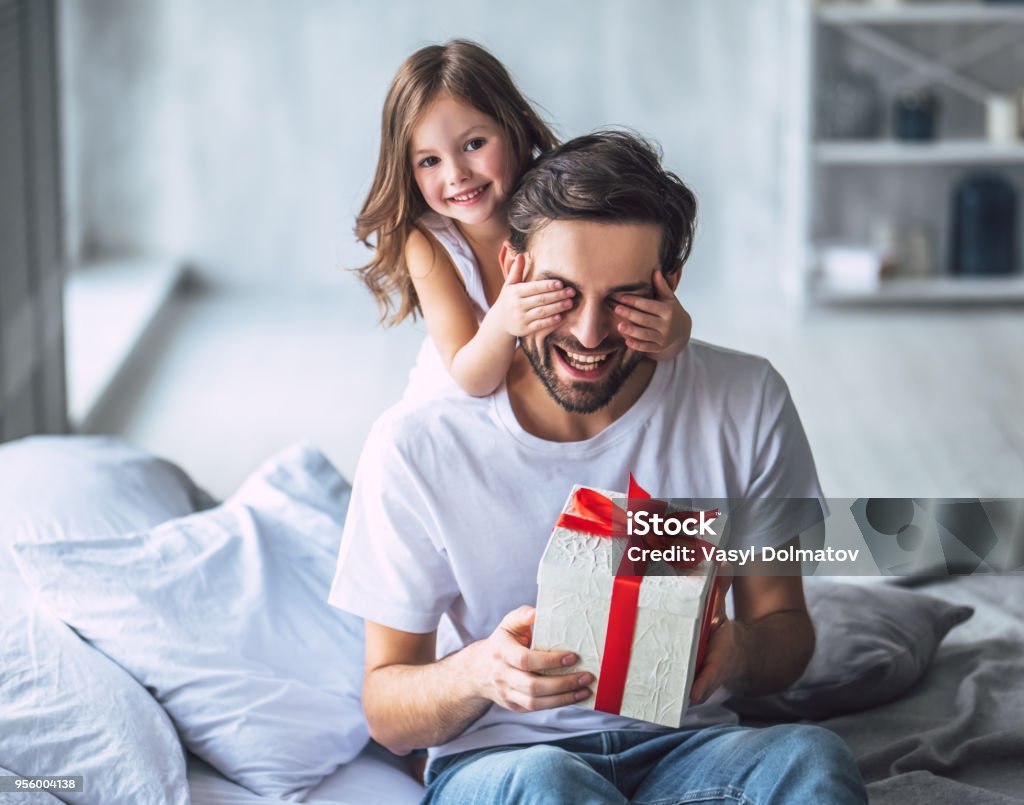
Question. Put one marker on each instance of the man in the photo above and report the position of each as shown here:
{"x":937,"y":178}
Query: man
{"x":454,"y":500}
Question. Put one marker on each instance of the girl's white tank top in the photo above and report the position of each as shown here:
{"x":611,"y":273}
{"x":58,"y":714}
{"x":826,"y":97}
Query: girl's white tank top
{"x":429,"y":377}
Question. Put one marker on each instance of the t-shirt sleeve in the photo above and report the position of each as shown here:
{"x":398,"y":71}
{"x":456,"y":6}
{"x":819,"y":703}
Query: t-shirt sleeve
{"x":783,"y":497}
{"x":391,"y":566}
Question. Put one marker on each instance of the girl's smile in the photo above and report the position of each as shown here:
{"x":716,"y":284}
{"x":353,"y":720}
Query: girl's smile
{"x":470,"y":196}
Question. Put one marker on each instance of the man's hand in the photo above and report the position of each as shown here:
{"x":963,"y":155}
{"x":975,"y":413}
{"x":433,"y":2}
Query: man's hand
{"x":769,"y":644}
{"x":412,"y":700}
{"x":659,"y":326}
{"x":722,"y":658}
{"x":523,"y":308}
{"x":506,"y":668}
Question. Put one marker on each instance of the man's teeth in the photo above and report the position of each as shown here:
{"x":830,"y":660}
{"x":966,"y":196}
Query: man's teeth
{"x":471,"y":195}
{"x":583,"y":362}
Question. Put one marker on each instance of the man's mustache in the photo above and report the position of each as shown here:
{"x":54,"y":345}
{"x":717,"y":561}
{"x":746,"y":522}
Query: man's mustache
{"x":572,"y":345}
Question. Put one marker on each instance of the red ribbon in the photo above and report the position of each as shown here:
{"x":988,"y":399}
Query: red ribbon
{"x":595,"y":514}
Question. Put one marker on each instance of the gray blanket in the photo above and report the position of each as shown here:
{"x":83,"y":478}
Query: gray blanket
{"x":958,"y":736}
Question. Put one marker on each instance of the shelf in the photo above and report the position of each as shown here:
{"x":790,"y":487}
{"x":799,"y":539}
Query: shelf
{"x":975,"y":57}
{"x":919,"y":13}
{"x":889,"y":152}
{"x":928,"y":291}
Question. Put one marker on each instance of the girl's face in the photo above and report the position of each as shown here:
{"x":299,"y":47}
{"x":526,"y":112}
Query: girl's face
{"x":461,"y":161}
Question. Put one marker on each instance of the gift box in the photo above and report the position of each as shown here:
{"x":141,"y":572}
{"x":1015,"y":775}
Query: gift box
{"x":639,"y":625}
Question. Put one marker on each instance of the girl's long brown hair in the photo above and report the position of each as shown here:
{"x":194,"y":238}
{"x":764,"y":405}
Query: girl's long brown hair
{"x":470,"y":74}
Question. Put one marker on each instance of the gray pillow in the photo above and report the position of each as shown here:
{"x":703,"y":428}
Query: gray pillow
{"x":873,"y":644}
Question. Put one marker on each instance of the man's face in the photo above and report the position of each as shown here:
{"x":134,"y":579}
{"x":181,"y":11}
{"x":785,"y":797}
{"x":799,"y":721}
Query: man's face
{"x":584,"y":361}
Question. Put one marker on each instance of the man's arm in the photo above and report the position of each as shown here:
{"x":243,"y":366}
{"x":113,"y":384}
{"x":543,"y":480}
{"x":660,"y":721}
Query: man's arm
{"x":413,"y":701}
{"x":767,"y":646}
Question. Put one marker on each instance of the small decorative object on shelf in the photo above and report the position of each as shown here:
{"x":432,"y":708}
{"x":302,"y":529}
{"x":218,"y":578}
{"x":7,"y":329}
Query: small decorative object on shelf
{"x":916,"y":254}
{"x":1001,"y":124}
{"x":849,"y":106}
{"x":903,"y":247}
{"x":850,"y":267}
{"x":915,"y":115}
{"x":984,"y":226}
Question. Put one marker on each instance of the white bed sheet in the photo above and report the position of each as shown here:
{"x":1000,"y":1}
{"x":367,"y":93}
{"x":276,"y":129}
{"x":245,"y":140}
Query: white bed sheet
{"x":375,"y":776}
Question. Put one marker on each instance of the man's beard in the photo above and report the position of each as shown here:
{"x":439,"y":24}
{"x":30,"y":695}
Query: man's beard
{"x":579,"y":396}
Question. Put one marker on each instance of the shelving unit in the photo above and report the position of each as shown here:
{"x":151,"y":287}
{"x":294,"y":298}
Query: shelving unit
{"x":891,"y":152}
{"x":854,"y":185}
{"x":918,"y":13}
{"x":937,"y":290}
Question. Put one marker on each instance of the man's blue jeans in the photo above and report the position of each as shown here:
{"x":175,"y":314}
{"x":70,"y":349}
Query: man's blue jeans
{"x":789,"y":763}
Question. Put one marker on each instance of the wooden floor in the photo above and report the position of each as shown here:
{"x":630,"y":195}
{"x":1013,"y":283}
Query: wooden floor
{"x":925,"y":403}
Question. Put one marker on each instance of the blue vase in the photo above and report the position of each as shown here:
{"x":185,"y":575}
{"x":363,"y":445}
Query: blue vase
{"x":984,"y":226}
{"x":915,"y":115}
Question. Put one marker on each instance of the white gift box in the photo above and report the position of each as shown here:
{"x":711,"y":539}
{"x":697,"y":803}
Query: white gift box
{"x":575,"y":583}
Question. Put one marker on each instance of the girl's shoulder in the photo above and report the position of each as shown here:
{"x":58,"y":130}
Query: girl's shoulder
{"x":423,"y":252}
{"x":445,"y":234}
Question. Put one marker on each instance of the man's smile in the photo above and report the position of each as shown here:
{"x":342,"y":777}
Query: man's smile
{"x":584,"y":365}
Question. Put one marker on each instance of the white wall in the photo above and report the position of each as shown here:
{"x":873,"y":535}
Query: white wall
{"x":242,"y":134}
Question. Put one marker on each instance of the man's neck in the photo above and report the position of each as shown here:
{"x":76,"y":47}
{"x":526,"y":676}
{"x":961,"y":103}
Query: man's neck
{"x":539,"y":415}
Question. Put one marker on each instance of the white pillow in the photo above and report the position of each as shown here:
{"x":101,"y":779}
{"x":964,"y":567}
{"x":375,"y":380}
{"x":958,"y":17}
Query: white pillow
{"x":224,"y":616}
{"x":65,"y":709}
{"x":69,"y":487}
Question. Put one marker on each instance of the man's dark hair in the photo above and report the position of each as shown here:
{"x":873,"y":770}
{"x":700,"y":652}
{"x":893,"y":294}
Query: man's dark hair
{"x":613,"y":176}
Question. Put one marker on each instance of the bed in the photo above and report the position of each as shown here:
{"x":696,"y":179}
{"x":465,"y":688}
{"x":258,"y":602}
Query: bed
{"x":131,"y":601}
{"x":958,"y":734}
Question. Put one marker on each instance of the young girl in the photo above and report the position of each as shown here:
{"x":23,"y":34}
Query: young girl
{"x":456,"y":135}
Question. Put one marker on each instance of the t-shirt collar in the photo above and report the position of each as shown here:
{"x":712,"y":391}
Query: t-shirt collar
{"x":639,"y":413}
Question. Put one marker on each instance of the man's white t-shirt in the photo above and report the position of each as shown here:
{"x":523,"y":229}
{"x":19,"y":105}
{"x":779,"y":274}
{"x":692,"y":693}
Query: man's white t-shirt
{"x":453,"y":504}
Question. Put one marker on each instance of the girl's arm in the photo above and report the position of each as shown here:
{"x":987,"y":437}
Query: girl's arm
{"x":477,"y":356}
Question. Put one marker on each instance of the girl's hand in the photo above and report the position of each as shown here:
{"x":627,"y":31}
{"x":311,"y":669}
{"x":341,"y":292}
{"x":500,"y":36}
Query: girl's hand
{"x":523,"y":308}
{"x":659,"y":326}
